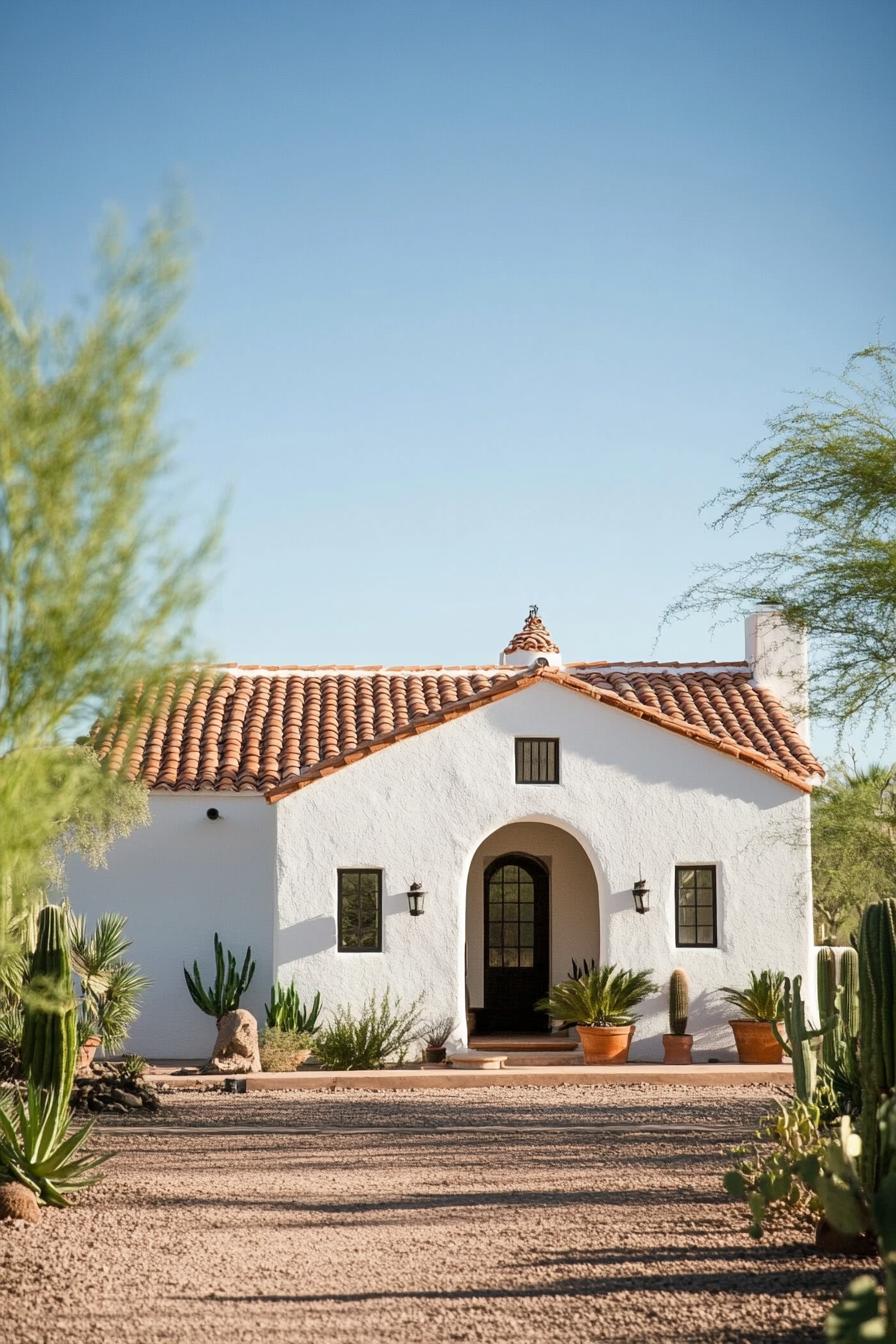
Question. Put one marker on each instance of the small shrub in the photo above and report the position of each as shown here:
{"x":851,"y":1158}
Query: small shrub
{"x":12,"y":1024}
{"x":283,"y":1051}
{"x":132,"y":1068}
{"x":769,"y":1176}
{"x":763,"y":998}
{"x":436,"y":1032}
{"x":382,"y":1032}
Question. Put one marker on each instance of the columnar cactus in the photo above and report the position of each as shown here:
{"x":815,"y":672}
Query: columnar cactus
{"x":848,"y":976}
{"x":49,"y":1038}
{"x":877,"y":1013}
{"x":826,"y":977}
{"x":679,"y":1003}
{"x":838,"y":997}
{"x":798,"y":1040}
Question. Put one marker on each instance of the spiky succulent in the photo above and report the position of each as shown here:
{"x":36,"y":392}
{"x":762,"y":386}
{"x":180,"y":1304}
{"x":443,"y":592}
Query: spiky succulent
{"x":37,"y":1150}
{"x":605,"y":997}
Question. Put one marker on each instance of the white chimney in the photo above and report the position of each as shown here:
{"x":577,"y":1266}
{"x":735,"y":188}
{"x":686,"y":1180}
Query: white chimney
{"x":778,"y":654}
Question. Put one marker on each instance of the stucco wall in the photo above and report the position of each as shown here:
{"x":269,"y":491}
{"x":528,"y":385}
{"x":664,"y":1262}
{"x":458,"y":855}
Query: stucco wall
{"x":178,"y":881}
{"x":634,"y":795}
{"x":574,"y":909}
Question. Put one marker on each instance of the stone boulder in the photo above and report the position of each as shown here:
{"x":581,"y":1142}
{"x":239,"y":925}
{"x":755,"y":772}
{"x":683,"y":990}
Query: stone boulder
{"x":236,"y":1049}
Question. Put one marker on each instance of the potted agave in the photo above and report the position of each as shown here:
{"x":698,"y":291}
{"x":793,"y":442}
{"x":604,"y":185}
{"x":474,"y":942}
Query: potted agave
{"x":677,"y":1044}
{"x":760,"y":1005}
{"x":435,"y":1034}
{"x":601,"y":1004}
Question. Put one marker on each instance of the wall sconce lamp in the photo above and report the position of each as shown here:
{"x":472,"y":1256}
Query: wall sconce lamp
{"x":641,"y":895}
{"x":415,"y":898}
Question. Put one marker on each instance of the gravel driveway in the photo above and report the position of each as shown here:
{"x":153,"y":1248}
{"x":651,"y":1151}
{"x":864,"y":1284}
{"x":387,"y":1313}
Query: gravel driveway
{"x":496,"y":1215}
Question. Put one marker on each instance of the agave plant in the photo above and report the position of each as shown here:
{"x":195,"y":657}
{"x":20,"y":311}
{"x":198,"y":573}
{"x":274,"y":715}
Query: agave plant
{"x":763,"y":998}
{"x":286,"y":1012}
{"x":36,"y":1149}
{"x":605,"y":997}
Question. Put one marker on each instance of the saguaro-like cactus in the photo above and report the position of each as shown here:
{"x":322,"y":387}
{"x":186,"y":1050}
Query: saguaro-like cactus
{"x":229,"y":987}
{"x":877,"y":1015}
{"x":679,"y":1003}
{"x":798,"y":1038}
{"x":826,"y":976}
{"x":49,"y":1038}
{"x":848,"y":979}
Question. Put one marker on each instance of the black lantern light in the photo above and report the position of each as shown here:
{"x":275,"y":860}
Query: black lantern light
{"x":415,"y":898}
{"x":641,"y":896}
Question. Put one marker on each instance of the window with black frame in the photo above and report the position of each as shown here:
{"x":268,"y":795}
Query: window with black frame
{"x":537,"y":760}
{"x":360,"y":909}
{"x":695,"y":905}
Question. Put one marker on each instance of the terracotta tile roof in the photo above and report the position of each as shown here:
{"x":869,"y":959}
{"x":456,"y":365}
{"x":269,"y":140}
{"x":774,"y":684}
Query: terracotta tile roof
{"x":273,"y":730}
{"x":534,"y":636}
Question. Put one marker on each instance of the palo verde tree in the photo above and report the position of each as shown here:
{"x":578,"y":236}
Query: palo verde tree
{"x":95,"y":594}
{"x":853,"y":846}
{"x":825,"y":480}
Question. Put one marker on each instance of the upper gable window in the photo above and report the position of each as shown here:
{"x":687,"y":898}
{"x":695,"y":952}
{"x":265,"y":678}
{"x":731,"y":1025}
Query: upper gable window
{"x":538,"y":760}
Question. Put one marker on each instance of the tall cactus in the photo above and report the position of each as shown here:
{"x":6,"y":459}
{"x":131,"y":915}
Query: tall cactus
{"x":826,"y":977}
{"x":848,"y":976}
{"x":838,"y":995}
{"x":877,"y":1014}
{"x":679,"y":1003}
{"x":49,"y":1038}
{"x":797,"y":1042}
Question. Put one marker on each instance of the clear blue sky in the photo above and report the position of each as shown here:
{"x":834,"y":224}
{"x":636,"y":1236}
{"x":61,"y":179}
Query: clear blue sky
{"x":488,"y":295}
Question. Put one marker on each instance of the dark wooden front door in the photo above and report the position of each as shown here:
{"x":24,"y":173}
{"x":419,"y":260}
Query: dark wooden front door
{"x":516,"y":943}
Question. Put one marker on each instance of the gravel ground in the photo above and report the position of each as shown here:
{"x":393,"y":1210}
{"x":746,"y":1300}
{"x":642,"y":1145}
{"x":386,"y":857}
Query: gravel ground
{"x":575,"y":1219}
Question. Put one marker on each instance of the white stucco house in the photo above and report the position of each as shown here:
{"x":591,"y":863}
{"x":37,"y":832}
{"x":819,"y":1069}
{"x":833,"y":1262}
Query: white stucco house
{"x":294,"y":807}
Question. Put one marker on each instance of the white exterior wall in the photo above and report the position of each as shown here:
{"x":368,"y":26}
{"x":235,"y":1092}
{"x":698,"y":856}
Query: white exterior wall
{"x":634,"y":795}
{"x":179,"y":881}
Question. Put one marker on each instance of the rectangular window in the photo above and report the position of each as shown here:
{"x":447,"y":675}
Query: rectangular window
{"x":360,"y":909}
{"x":538,"y":760}
{"x":695,"y":906}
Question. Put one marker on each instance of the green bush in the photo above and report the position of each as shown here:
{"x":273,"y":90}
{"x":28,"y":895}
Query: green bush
{"x":283,"y":1051}
{"x":381,"y":1033}
{"x":763,"y":998}
{"x":605,"y":997}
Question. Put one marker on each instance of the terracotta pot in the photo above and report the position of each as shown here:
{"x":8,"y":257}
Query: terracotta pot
{"x":434,"y":1054}
{"x":605,"y":1045}
{"x":86,"y":1053}
{"x":755,"y":1041}
{"x":677,"y":1049}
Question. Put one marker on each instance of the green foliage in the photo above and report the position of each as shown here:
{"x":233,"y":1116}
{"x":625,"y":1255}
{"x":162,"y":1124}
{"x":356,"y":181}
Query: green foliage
{"x":96,"y":595}
{"x":840,"y":1085}
{"x":111,"y":988}
{"x":37,"y":1150}
{"x":825,"y":480}
{"x":287,"y":1012}
{"x":282,"y":1050}
{"x":860,"y":1315}
{"x":382,"y":1032}
{"x":229,"y":987}
{"x":769,"y":1176}
{"x":49,"y":1038}
{"x":798,"y":1038}
{"x":853,"y":845}
{"x":12,"y":1024}
{"x":605,"y":997}
{"x":132,"y":1068}
{"x":763,"y":998}
{"x":877,"y":1013}
{"x":576,"y":971}
{"x":679,"y":1002}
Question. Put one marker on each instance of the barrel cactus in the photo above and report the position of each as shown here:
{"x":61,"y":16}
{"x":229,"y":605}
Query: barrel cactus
{"x":679,"y":1003}
{"x":49,"y":1037}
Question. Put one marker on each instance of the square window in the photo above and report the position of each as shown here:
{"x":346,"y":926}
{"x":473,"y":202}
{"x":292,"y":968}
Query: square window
{"x":695,"y":906}
{"x":538,"y":760}
{"x":360,"y":909}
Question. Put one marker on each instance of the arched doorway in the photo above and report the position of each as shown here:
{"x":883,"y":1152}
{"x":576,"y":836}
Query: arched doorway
{"x":516,"y":938}
{"x":564,"y":871}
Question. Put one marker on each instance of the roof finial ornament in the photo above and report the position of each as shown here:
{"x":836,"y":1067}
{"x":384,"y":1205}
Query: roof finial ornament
{"x":533,"y":609}
{"x":533,"y":641}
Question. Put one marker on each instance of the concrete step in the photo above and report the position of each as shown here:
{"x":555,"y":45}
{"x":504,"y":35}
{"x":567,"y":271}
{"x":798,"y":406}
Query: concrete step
{"x":544,"y":1059}
{"x":516,"y":1045}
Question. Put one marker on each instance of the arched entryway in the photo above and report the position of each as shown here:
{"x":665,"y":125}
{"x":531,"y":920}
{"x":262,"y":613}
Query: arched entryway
{"x":527,"y":868}
{"x":516,"y":938}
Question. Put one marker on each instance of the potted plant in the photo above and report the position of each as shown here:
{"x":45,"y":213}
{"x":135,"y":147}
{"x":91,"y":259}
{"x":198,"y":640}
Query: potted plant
{"x":677,"y":1044}
{"x":600,"y":1004}
{"x":111,"y":988}
{"x":435,"y":1034}
{"x":760,"y":1004}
